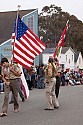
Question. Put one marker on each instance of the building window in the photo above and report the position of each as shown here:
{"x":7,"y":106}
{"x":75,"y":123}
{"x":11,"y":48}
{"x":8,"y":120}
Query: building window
{"x":66,"y":57}
{"x":72,"y":57}
{"x":79,"y":61}
{"x":30,"y":23}
{"x":69,"y":60}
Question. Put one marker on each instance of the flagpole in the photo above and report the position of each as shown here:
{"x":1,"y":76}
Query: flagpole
{"x":61,"y":41}
{"x":12,"y":58}
{"x":17,"y":19}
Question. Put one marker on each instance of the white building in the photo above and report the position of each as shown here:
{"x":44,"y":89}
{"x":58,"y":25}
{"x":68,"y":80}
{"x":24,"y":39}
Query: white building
{"x":69,"y":59}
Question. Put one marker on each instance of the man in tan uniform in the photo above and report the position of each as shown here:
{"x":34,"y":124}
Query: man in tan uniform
{"x":20,"y":91}
{"x":50,"y":72}
{"x":9,"y":75}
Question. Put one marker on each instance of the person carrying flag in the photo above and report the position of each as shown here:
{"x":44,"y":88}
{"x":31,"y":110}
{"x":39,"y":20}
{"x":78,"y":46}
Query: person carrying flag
{"x":20,"y":91}
{"x":50,"y":72}
{"x":9,"y":76}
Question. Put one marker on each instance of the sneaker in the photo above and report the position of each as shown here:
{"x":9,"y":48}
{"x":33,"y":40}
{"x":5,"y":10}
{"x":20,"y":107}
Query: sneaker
{"x":56,"y":107}
{"x":23,"y":100}
{"x":11,"y":102}
{"x":16,"y":110}
{"x":48,"y":109}
{"x":3,"y":114}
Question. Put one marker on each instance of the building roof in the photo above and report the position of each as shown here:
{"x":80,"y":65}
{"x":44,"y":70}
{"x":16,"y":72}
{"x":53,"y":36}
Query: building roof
{"x":49,"y":50}
{"x":7,"y":23}
{"x":64,"y":50}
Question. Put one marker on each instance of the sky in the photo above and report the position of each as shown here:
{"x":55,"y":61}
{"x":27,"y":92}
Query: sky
{"x":73,"y":7}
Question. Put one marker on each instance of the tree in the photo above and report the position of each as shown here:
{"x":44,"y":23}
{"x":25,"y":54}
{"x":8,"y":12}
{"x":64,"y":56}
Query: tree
{"x":52,"y":21}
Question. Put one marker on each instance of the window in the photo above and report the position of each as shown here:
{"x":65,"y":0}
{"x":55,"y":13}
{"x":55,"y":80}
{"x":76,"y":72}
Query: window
{"x":66,"y":57}
{"x":79,"y":61}
{"x":30,"y":23}
{"x":72,"y":57}
{"x":69,"y":60}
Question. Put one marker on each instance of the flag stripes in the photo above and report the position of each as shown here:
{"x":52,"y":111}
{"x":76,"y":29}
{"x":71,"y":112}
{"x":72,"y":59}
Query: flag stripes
{"x":38,"y":40}
{"x":31,"y":46}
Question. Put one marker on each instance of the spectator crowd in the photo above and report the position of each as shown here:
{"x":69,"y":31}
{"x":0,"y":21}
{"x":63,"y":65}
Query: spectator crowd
{"x":35,"y":78}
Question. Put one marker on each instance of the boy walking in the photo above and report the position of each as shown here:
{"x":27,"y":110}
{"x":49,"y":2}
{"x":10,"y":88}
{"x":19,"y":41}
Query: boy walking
{"x":9,"y":76}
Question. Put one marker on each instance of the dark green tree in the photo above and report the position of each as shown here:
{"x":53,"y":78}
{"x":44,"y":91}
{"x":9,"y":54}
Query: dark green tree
{"x":52,"y":21}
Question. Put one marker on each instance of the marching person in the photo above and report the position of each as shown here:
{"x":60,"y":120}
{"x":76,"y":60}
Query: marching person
{"x":50,"y":72}
{"x":21,"y":93}
{"x":9,"y":75}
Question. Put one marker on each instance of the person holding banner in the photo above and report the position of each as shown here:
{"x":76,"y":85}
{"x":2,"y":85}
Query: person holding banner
{"x":50,"y":72}
{"x":9,"y":76}
{"x":20,"y":91}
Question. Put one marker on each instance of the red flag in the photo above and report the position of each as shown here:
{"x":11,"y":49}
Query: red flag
{"x":61,"y":41}
{"x":27,"y":45}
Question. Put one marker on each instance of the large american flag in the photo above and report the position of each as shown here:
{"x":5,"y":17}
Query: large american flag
{"x":26,"y":45}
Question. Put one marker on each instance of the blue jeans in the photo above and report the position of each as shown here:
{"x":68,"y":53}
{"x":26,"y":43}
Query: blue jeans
{"x":40,"y":83}
{"x":2,"y":86}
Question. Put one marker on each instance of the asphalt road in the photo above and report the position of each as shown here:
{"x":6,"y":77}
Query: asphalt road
{"x":31,"y":112}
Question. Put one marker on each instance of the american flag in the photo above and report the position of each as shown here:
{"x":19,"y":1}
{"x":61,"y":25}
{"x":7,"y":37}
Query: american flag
{"x":26,"y":45}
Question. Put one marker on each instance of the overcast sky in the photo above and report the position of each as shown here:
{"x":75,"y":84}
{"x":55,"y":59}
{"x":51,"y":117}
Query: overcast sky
{"x":74,"y":7}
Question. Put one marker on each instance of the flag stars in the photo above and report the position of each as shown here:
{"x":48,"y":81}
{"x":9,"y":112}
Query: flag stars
{"x":20,"y":28}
